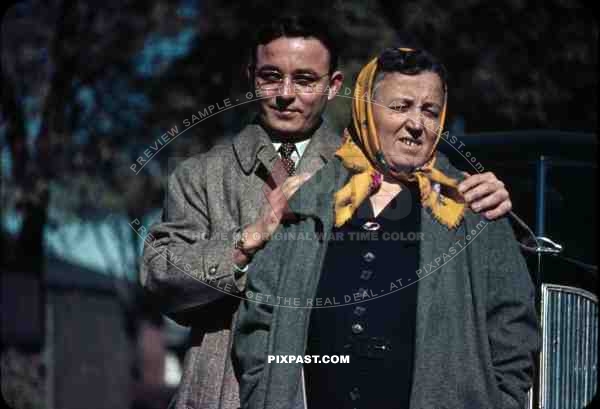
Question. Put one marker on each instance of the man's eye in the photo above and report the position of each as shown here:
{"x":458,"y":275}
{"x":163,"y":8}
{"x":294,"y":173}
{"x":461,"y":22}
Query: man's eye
{"x":270,"y":76}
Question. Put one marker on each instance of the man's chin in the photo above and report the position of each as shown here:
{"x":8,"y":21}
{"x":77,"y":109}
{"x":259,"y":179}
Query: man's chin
{"x":284,"y":127}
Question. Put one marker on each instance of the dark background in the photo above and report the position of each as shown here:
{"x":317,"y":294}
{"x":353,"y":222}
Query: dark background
{"x":87,"y":86}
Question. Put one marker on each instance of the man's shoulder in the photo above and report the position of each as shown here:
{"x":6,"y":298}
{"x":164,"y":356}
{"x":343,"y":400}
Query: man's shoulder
{"x":222,"y":151}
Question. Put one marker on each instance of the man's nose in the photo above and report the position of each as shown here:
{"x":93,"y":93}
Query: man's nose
{"x":287,"y":93}
{"x":287,"y":88}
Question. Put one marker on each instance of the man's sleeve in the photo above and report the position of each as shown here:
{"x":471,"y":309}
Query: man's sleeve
{"x":187,"y":261}
{"x":513,"y":327}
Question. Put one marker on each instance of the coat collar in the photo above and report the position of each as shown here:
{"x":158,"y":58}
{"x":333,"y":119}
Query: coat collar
{"x":253,"y":143}
{"x":316,"y":192}
{"x":443,"y":164}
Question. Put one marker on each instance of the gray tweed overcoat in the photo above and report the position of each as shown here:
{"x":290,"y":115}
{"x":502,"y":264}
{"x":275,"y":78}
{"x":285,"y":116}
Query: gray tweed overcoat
{"x":209,"y":196}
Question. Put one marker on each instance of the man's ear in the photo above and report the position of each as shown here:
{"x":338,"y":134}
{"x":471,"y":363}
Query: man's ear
{"x":249,"y":72}
{"x":335,"y":84}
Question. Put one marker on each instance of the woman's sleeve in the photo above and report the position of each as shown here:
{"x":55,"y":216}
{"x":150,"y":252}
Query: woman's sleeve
{"x":253,"y":325}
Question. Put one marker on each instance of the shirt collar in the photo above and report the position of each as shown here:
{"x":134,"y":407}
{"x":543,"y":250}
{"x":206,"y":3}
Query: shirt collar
{"x":300,"y":146}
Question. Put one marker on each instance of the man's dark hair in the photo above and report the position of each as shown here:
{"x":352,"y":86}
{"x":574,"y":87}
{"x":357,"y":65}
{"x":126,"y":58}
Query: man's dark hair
{"x":297,"y":25}
{"x":409,"y":63}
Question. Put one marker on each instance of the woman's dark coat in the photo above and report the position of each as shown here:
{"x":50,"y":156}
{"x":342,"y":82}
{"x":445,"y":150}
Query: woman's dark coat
{"x":477,"y":331}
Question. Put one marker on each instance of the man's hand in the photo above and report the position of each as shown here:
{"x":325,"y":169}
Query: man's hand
{"x":483,"y":192}
{"x":258,"y":233}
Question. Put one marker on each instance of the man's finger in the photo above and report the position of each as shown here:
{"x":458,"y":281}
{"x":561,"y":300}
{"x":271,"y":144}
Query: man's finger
{"x":471,"y":181}
{"x":293,"y":183}
{"x":480,"y":191}
{"x":290,"y":188}
{"x":500,"y":211}
{"x":490,"y":202}
{"x":301,"y":178}
{"x":278,"y":198}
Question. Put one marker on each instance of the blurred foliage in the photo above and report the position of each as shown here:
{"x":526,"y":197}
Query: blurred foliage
{"x":513,"y":64}
{"x":88,"y":86}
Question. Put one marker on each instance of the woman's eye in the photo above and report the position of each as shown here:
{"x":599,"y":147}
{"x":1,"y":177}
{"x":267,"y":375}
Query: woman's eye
{"x":432,"y":113}
{"x":399,"y":107}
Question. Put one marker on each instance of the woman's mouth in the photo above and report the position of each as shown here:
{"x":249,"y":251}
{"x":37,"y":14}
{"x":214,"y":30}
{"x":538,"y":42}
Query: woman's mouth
{"x":410,"y":142}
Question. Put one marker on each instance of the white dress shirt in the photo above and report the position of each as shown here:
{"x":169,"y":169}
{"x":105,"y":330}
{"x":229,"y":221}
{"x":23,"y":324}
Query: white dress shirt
{"x":298,"y":152}
{"x":296,"y":155}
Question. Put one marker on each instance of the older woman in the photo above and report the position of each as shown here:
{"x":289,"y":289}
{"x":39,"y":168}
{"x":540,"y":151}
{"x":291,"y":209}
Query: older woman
{"x":433,"y":305}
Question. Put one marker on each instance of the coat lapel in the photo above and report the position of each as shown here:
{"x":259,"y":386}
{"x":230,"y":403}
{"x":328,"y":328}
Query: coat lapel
{"x":253,"y":144}
{"x":427,"y":281}
{"x":436,"y":239}
{"x":320,"y":149}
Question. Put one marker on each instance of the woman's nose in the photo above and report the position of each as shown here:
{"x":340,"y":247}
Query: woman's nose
{"x":415,"y":123}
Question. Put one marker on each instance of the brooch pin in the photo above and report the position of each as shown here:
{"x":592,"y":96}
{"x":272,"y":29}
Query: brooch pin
{"x":437,"y":188}
{"x":371,"y":226}
{"x":376,"y":179}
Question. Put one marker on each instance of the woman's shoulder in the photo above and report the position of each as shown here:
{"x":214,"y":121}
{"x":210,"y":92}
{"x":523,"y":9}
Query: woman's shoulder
{"x":327,"y":179}
{"x":443,"y":164}
{"x":497,"y":234}
{"x":315,"y":196}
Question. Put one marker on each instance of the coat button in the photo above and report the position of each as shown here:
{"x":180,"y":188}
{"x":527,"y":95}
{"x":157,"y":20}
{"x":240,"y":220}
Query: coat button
{"x":357,"y":328}
{"x":368,"y":256}
{"x":366,"y":274}
{"x":359,"y":310}
{"x":212,"y":271}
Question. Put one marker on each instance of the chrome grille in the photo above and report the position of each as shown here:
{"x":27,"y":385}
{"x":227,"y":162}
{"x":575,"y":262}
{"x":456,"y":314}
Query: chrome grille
{"x":569,"y":356}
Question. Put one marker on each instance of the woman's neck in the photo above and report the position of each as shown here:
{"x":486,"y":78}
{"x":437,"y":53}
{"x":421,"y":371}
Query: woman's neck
{"x":384,"y":195}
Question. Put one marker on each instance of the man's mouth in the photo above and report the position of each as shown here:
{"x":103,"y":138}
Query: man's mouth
{"x":410,"y":142}
{"x":284,"y":111}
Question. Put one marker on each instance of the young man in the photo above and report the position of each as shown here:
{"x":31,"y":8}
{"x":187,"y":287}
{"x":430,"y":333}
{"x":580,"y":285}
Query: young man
{"x":222,"y":206}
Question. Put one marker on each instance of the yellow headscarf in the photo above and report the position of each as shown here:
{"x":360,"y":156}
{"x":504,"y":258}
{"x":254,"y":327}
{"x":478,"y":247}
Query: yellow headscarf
{"x":366,"y":177}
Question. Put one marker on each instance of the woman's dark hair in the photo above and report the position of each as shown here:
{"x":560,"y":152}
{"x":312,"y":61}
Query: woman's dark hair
{"x":409,"y":63}
{"x":297,"y":25}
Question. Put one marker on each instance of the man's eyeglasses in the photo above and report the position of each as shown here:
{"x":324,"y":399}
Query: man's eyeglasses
{"x":268,"y":80}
